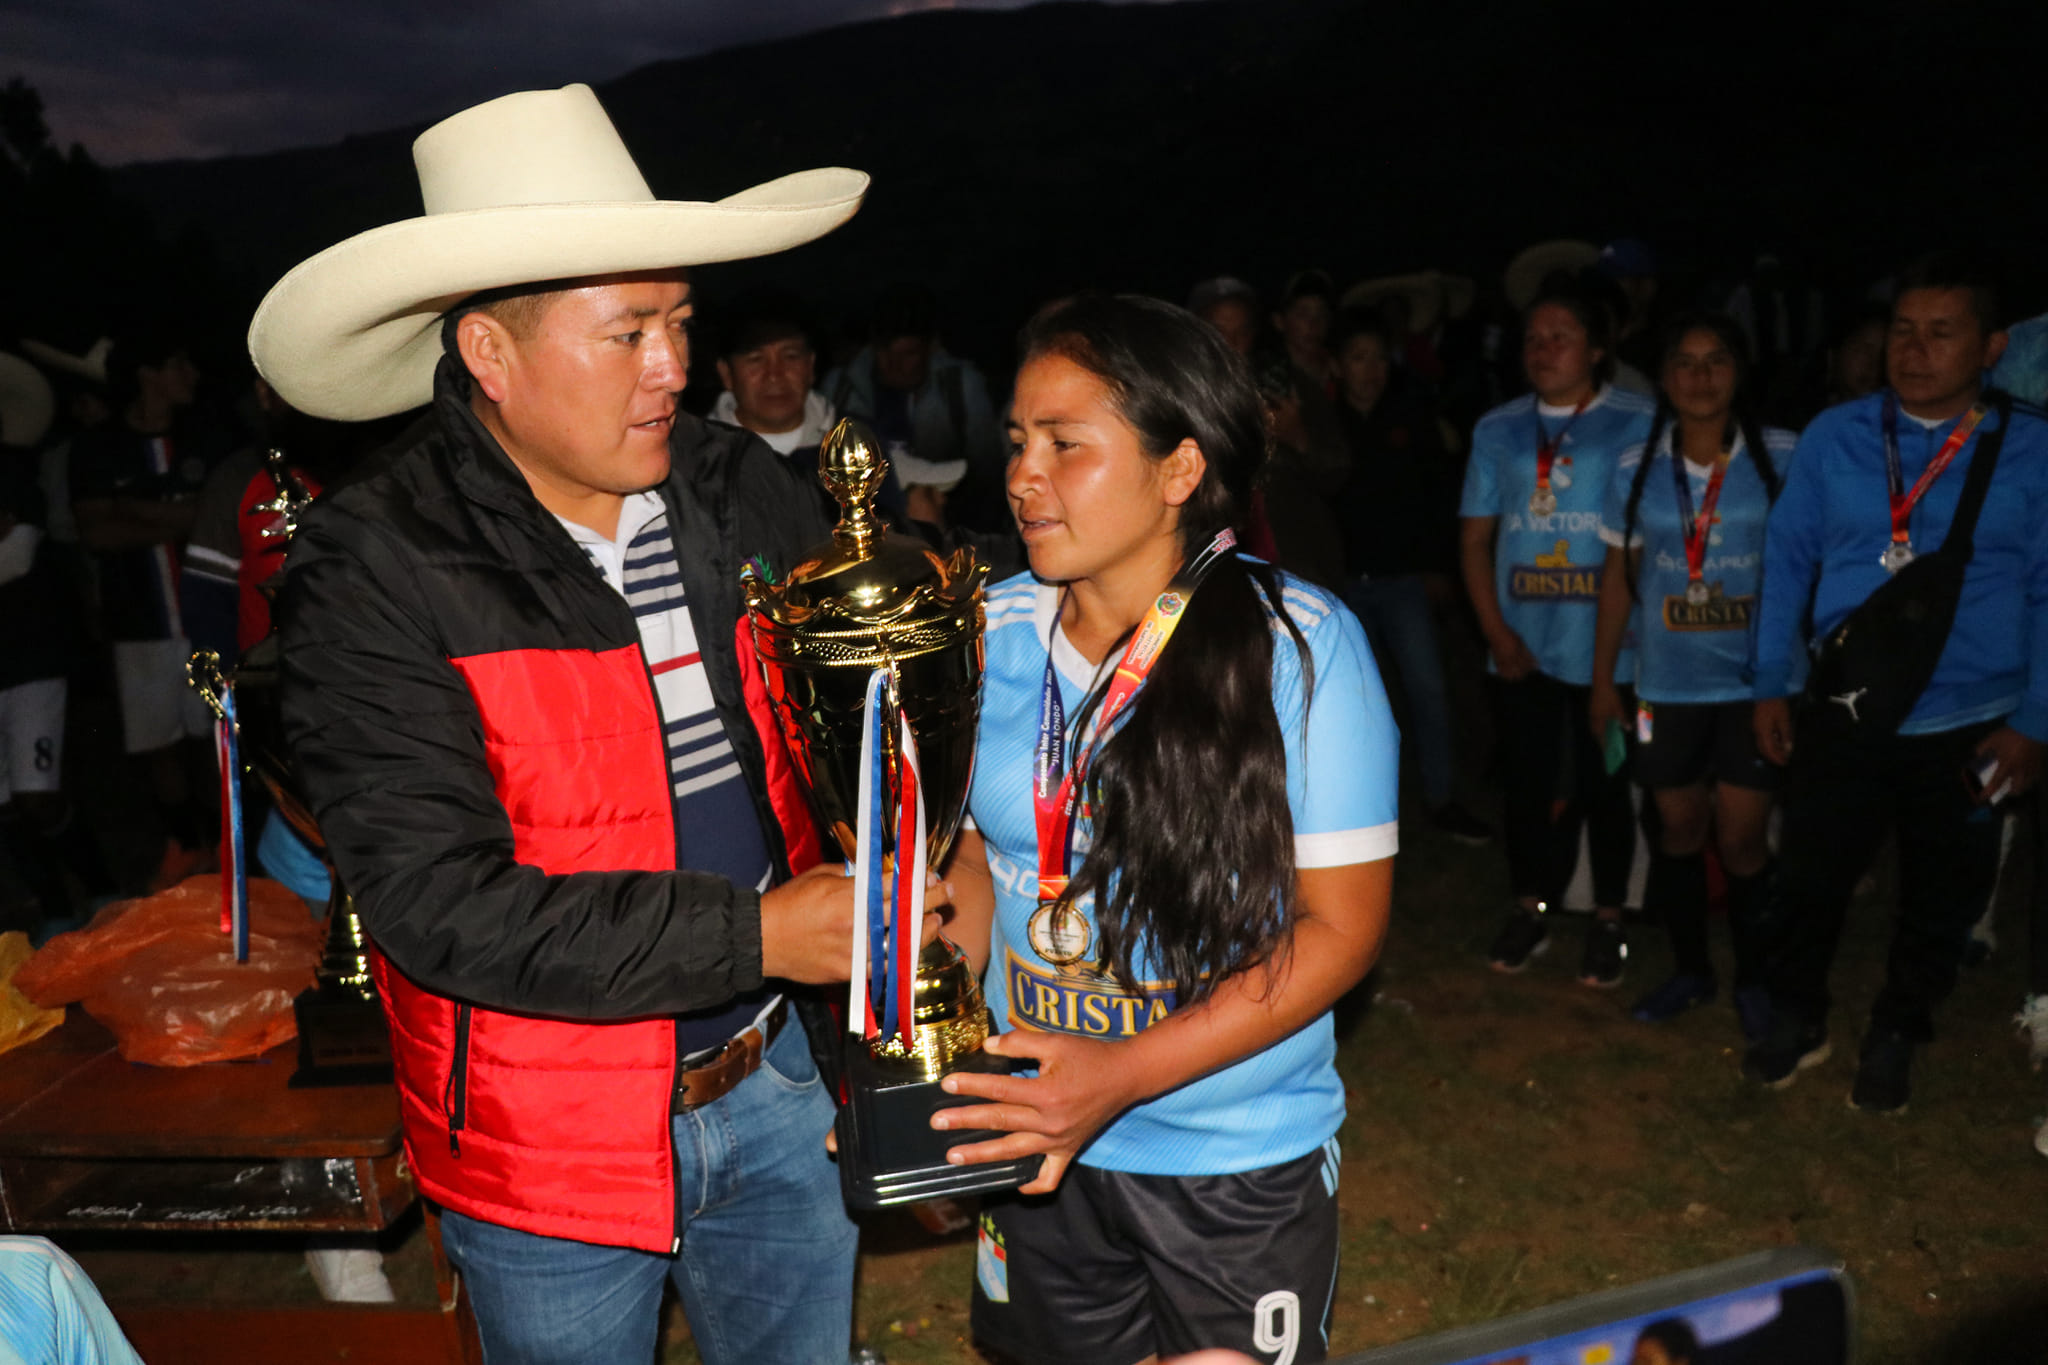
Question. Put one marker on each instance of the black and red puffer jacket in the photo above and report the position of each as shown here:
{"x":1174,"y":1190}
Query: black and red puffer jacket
{"x":470,"y":716}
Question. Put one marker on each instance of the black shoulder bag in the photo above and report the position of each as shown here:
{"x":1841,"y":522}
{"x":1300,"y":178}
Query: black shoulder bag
{"x":1871,"y":669}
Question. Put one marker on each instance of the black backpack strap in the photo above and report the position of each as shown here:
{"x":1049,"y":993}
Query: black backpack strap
{"x":1962,"y":529}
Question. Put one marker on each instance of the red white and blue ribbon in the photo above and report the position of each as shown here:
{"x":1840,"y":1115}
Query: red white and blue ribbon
{"x":889,"y":890}
{"x":234,"y":868}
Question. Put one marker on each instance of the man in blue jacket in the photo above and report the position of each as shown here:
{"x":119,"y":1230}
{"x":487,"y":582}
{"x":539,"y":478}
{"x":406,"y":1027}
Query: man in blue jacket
{"x":1874,"y":481}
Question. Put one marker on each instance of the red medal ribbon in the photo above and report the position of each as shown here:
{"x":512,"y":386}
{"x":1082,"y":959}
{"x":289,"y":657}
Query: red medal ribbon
{"x":1904,"y":502}
{"x":1055,"y":793}
{"x":1699,"y":528}
{"x":1547,"y":445}
{"x":908,"y":901}
{"x":223,"y":753}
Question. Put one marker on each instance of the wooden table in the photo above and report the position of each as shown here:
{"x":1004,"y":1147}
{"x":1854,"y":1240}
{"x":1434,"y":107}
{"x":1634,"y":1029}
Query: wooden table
{"x":91,"y":1143}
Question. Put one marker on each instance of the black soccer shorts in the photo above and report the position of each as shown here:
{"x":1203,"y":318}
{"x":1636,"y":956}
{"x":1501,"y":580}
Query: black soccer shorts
{"x":1680,"y":743}
{"x":1115,"y":1267}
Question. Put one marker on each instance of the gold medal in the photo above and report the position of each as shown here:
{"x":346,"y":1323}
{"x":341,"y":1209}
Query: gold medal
{"x":1059,"y":933}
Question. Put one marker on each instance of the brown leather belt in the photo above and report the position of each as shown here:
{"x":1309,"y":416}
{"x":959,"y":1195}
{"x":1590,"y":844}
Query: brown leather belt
{"x":714,"y":1078}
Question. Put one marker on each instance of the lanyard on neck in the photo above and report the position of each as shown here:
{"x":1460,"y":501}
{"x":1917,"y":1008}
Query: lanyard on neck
{"x":1055,"y":786}
{"x":1697,"y":529}
{"x":1547,"y":445}
{"x":1902,"y":501}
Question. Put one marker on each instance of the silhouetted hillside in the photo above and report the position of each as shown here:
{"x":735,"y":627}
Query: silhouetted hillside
{"x":1022,"y":153}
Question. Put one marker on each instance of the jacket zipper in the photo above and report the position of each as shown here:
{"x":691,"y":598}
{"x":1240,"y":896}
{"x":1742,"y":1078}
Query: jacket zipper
{"x":675,"y":1052}
{"x":455,"y":1096}
{"x":668,"y":1135}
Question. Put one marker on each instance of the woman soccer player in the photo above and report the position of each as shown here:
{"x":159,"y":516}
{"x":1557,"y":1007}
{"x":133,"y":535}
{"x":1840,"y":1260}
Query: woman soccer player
{"x":1684,"y":524}
{"x":1530,"y":548}
{"x":1181,"y":857}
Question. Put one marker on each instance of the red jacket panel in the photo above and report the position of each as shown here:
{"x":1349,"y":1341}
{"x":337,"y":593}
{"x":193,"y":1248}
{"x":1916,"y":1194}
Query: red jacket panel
{"x":575,"y":747}
{"x":491,"y":1100}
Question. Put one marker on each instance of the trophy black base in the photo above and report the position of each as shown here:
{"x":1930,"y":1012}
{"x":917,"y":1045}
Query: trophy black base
{"x":889,"y":1153}
{"x":341,"y":1042}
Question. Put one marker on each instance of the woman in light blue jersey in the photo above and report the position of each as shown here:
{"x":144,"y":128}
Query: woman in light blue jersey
{"x":1529,"y":542}
{"x":1684,"y":524}
{"x":1183,"y":820}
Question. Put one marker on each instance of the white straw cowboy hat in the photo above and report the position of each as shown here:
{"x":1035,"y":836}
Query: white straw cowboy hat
{"x":522,"y":190}
{"x":92,"y":365}
{"x":1523,"y":280}
{"x":1430,"y":294}
{"x":26,"y":403}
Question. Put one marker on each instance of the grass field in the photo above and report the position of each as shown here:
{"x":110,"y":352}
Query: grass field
{"x":1517,"y":1141}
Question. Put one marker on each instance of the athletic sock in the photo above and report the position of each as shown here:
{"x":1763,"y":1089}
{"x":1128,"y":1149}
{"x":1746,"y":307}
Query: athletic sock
{"x":1749,"y":924}
{"x":1678,"y":888}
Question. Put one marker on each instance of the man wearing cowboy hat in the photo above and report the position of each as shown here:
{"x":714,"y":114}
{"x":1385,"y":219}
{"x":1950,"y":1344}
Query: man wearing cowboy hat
{"x":519,"y":700}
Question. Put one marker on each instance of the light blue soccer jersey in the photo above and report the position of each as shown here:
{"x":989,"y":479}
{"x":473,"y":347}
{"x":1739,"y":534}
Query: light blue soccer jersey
{"x":1688,"y":652}
{"x":1546,"y":570}
{"x":2023,"y":370}
{"x":1341,"y":786}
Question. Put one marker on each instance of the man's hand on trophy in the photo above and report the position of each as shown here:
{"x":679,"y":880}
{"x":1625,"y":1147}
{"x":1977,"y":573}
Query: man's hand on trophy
{"x":807,"y":926}
{"x":1081,"y":1085}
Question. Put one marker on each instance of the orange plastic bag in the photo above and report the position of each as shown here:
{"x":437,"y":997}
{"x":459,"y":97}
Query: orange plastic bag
{"x":162,"y":977}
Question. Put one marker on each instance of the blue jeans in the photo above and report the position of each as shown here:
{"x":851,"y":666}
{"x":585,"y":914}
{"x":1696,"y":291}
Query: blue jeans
{"x":766,"y":1270}
{"x":1396,"y":615}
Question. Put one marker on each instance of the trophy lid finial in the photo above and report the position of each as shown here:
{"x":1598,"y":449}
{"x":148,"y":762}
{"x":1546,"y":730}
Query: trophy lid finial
{"x":851,"y":466}
{"x":866,"y":576}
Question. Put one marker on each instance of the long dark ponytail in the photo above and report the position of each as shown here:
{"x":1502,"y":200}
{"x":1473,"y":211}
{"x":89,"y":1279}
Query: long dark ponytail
{"x":1741,"y":417}
{"x":1192,"y":858}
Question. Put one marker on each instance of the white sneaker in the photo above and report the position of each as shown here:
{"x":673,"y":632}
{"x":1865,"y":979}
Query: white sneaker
{"x":2041,"y":1138}
{"x":2032,"y":1022}
{"x":349,"y":1274}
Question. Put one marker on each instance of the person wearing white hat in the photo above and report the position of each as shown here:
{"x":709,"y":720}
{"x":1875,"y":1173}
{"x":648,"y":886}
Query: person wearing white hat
{"x":518,"y":695}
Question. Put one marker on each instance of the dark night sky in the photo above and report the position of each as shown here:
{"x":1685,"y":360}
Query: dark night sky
{"x":145,"y":80}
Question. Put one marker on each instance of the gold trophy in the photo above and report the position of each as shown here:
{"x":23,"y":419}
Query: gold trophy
{"x":342,"y":1035}
{"x":871,"y":637}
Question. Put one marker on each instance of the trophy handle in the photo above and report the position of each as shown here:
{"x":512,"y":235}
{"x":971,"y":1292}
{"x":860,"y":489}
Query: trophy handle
{"x":202,"y":671}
